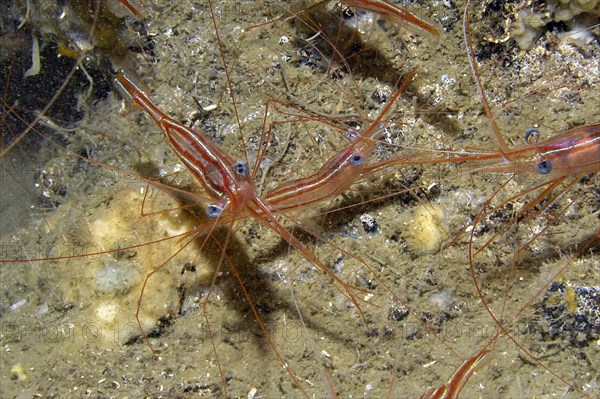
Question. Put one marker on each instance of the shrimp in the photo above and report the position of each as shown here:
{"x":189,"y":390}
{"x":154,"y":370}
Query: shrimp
{"x":561,"y":161}
{"x":396,"y":15}
{"x":455,"y":384}
{"x":565,"y":154}
{"x":387,"y":10}
{"x":339,"y":172}
{"x":226,"y":181}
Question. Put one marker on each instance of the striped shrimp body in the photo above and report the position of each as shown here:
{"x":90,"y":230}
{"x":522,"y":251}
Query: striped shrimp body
{"x":225,"y":180}
{"x":396,"y":15}
{"x":455,"y":384}
{"x":339,"y":172}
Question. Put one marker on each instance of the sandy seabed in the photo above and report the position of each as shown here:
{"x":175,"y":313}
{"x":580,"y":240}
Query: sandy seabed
{"x":68,"y":326}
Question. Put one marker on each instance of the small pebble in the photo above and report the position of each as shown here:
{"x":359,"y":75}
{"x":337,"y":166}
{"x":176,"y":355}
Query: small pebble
{"x":369,"y":223}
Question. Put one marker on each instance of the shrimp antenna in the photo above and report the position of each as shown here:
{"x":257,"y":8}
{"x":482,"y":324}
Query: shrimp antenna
{"x":503,"y":148}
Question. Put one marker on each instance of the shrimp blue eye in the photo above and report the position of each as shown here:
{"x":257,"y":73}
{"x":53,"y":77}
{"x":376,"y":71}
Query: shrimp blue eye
{"x":352,"y":134}
{"x":544,"y":167}
{"x":357,"y":160}
{"x":213,"y":211}
{"x":241,"y":168}
{"x":532,"y":135}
